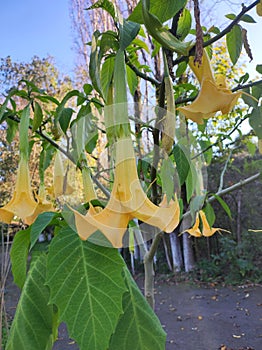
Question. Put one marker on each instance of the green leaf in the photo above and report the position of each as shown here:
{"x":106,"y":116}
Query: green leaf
{"x":94,"y":64}
{"x":65,"y":117}
{"x":128,"y":32}
{"x":167,"y":173}
{"x":196,"y":204}
{"x":163,"y":13}
{"x":47,"y":99}
{"x":182,"y":163}
{"x":257,"y":91}
{"x":259,"y":68}
{"x":86,"y":284}
{"x":23,"y":131}
{"x":19,"y":255}
{"x":190,"y":185}
{"x":4,"y":105}
{"x":38,"y":116}
{"x":88,"y":88}
{"x":248,"y":99}
{"x":41,"y":222}
{"x":106,"y":76}
{"x":210,"y":214}
{"x":230,"y":16}
{"x":132,"y":80}
{"x":224,"y":205}
{"x":12,"y":130}
{"x":61,"y":107}
{"x":181,"y":68}
{"x":184,"y":24}
{"x":208,"y":152}
{"x":255,"y":121}
{"x":234,"y":43}
{"x":33,"y":327}
{"x":138,"y":328}
{"x":248,"y":19}
{"x":105,"y":5}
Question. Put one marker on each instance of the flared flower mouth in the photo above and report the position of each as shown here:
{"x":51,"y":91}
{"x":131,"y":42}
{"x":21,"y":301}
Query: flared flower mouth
{"x":23,"y":204}
{"x":127,"y":201}
{"x":213,"y":96}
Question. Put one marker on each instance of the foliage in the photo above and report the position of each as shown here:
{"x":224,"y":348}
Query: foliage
{"x":235,"y":263}
{"x":89,"y":190}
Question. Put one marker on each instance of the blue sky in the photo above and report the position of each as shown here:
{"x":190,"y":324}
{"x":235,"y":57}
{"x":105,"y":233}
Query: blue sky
{"x":31,"y":27}
{"x":42,"y":28}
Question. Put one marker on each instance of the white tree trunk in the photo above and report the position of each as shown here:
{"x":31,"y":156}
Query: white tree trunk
{"x":177,"y":260}
{"x":189,"y":260}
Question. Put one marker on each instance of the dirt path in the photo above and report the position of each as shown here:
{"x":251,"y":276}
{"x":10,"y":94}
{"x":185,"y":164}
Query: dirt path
{"x":197,"y":318}
{"x":194,"y":317}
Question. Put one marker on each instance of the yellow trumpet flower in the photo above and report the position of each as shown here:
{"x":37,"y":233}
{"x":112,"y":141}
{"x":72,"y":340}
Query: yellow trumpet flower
{"x":22,"y":203}
{"x":127,"y":201}
{"x":195,"y":231}
{"x":60,"y":184}
{"x":42,"y":206}
{"x":213,"y":97}
{"x":207,"y":231}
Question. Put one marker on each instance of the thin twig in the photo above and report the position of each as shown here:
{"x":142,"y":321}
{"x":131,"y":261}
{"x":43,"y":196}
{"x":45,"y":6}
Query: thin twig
{"x":221,"y":34}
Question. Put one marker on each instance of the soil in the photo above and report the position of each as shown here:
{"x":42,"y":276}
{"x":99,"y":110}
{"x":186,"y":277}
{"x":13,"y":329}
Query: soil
{"x":195,"y":317}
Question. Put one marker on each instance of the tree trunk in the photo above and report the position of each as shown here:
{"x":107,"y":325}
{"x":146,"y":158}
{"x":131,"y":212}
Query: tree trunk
{"x":177,"y":260}
{"x":189,"y":260}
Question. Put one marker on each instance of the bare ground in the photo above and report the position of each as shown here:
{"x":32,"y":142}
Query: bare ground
{"x":194,"y":317}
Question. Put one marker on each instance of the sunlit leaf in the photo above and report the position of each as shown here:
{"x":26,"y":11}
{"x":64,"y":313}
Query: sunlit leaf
{"x":234,"y":43}
{"x":105,"y":5}
{"x":167,"y":173}
{"x":182,"y":163}
{"x":86,"y":284}
{"x":163,"y":13}
{"x":138,"y":328}
{"x":19,"y":256}
{"x":34,"y":325}
{"x":255,"y":121}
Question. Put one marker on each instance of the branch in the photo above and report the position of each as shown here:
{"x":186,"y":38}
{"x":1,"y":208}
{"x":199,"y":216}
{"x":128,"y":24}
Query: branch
{"x":143,"y":75}
{"x":62,"y":150}
{"x":221,"y":34}
{"x":227,"y":190}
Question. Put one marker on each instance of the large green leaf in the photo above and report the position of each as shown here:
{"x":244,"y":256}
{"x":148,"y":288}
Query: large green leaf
{"x":94,"y":64}
{"x":41,"y":222}
{"x":161,"y":34}
{"x":234,"y":43}
{"x":184,"y":24}
{"x":255,"y":121}
{"x":182,"y":163}
{"x":132,"y":80}
{"x":167,"y":173}
{"x":19,"y":255}
{"x":138,"y":328}
{"x":86,"y":284}
{"x":163,"y":11}
{"x":34,"y":326}
{"x":128,"y":31}
{"x":106,"y":76}
{"x":105,"y":5}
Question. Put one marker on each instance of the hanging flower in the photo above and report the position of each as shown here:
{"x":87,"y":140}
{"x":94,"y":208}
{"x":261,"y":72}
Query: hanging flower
{"x":60,"y":182}
{"x":22,"y":203}
{"x":207,"y":230}
{"x":214,"y":96}
{"x":42,"y":206}
{"x":127,"y":201}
